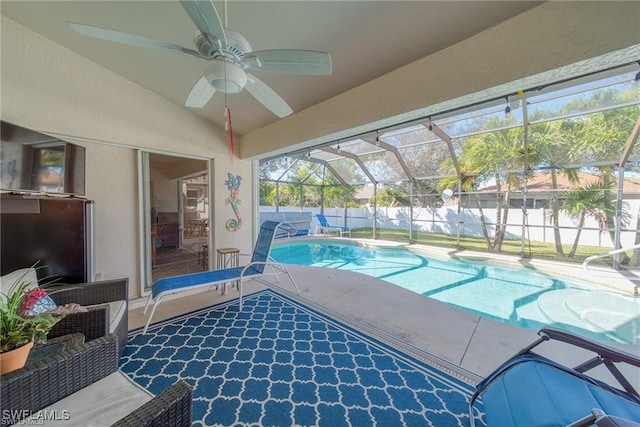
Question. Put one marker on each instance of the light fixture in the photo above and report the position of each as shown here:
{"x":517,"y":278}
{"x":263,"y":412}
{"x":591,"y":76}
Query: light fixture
{"x":507,"y":110}
{"x":225,"y":76}
{"x":430,"y":124}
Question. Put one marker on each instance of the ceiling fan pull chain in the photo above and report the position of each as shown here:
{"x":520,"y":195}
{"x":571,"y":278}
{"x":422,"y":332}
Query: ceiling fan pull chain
{"x":228,"y":126}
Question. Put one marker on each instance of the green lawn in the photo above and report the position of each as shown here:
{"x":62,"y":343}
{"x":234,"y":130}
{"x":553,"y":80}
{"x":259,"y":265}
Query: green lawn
{"x":510,"y":247}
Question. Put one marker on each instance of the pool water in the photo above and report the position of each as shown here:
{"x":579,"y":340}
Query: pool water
{"x":517,"y":296}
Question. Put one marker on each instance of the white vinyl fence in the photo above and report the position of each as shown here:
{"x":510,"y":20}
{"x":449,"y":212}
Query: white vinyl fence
{"x":538,"y":226}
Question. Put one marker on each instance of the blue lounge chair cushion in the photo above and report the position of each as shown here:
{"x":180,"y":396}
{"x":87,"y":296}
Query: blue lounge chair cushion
{"x":259,"y":259}
{"x":176,"y":283}
{"x":324,"y":223}
{"x":530,"y":393}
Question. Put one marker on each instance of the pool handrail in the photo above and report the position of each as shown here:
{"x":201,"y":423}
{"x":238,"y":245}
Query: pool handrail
{"x":605,"y":254}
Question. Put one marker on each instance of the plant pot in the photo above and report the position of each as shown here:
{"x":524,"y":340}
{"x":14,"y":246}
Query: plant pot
{"x":14,"y":359}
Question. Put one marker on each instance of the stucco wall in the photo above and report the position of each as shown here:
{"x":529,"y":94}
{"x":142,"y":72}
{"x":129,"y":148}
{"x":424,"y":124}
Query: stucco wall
{"x":52,"y":90}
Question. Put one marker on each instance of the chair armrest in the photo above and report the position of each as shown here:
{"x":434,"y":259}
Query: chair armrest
{"x":42,"y":383}
{"x":172,"y":407}
{"x":607,"y":352}
{"x":606,"y":355}
{"x":91,"y":293}
{"x":92,"y":324}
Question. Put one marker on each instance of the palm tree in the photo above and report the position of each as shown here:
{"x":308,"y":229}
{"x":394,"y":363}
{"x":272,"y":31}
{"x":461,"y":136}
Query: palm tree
{"x":552,"y":141}
{"x":581,"y":203}
{"x":492,"y":157}
{"x":601,"y":137}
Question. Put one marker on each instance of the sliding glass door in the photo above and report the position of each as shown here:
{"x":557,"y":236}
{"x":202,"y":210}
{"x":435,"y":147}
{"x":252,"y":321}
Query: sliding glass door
{"x":174,"y":216}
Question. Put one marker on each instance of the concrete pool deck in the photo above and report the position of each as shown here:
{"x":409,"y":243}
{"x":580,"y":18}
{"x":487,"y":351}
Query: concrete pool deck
{"x":470,"y":342}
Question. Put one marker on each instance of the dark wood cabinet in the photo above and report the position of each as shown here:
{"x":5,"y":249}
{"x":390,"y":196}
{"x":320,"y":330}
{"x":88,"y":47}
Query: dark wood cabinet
{"x":168,"y":235}
{"x":167,"y":230}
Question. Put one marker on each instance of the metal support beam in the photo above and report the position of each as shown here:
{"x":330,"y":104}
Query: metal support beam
{"x":375,"y":209}
{"x":410,"y":211}
{"x":393,"y":150}
{"x":459,"y":216}
{"x":618,"y":219}
{"x":452,"y":152}
{"x":525,"y":169}
{"x":446,"y":138}
{"x":633,"y":138}
{"x":331,"y":168}
{"x":352,"y":157}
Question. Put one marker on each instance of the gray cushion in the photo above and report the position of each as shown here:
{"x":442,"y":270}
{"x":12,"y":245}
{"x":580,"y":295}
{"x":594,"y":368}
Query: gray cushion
{"x":99,"y":404}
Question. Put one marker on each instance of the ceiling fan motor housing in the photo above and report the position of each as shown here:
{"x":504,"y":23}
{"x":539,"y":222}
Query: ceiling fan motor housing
{"x":235,"y":49}
{"x":225,"y":76}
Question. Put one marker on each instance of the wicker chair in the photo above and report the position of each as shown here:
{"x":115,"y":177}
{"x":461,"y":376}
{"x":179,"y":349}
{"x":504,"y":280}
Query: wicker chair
{"x":93,"y":324}
{"x":40,"y":384}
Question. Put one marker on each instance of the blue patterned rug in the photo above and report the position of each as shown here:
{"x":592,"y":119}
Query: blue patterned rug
{"x":281,"y":363}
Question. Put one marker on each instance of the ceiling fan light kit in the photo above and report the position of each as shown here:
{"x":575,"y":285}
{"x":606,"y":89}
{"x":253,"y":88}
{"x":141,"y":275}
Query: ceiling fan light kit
{"x":225,"y":77}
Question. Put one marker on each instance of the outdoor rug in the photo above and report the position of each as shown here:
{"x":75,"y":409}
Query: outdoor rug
{"x":282,"y":363}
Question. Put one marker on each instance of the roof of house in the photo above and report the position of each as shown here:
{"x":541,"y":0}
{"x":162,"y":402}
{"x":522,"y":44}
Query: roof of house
{"x":541,"y":182}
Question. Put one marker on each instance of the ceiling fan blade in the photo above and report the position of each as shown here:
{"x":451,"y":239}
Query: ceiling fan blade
{"x":291,"y":61}
{"x":205,"y":16}
{"x":267,"y":96}
{"x":200,"y":94}
{"x":129,"y":39}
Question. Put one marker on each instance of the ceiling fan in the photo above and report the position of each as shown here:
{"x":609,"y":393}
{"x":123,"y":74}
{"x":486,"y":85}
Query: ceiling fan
{"x":228,"y":55}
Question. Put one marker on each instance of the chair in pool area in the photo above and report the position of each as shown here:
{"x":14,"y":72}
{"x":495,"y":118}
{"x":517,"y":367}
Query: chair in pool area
{"x":254,"y":270}
{"x":326,"y":227}
{"x":532,"y":390}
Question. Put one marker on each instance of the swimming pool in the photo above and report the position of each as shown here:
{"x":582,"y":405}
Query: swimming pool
{"x":517,"y":296}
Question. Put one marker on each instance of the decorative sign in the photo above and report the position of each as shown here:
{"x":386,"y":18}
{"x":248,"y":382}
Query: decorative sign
{"x":233,"y":185}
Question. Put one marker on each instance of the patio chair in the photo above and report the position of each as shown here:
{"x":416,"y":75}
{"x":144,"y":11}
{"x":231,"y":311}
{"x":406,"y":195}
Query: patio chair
{"x":532,"y":390}
{"x":82,"y":385}
{"x":325,"y":226}
{"x":254,"y":270}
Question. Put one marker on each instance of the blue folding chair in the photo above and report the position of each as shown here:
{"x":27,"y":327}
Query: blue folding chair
{"x":326,"y":227}
{"x":254,"y":270}
{"x":534,"y":391}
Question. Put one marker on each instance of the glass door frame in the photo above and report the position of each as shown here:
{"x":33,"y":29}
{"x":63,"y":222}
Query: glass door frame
{"x":144,"y":214}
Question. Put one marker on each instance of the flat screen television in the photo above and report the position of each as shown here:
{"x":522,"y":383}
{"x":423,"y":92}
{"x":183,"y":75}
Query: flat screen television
{"x":32,"y":161}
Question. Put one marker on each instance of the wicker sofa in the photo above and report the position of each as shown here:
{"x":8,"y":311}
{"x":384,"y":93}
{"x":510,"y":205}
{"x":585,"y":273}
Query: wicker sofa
{"x":105,"y":295}
{"x":110,"y":296}
{"x":60,"y":386}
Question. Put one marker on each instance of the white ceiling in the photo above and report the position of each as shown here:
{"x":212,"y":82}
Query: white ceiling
{"x":366,"y":39}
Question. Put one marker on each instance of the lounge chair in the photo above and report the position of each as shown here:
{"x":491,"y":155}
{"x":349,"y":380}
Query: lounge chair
{"x":531,"y":390}
{"x":326,"y":227}
{"x":254,"y":270}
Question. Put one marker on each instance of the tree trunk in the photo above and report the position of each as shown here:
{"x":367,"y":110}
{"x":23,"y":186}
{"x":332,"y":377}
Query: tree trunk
{"x":574,"y":247}
{"x":502,"y":229}
{"x":623,"y":258}
{"x":496,"y":233}
{"x":483,"y":224}
{"x":554,"y":214}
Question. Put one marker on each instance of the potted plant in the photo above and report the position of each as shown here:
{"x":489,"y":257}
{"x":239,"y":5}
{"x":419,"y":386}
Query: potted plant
{"x":25,"y":319}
